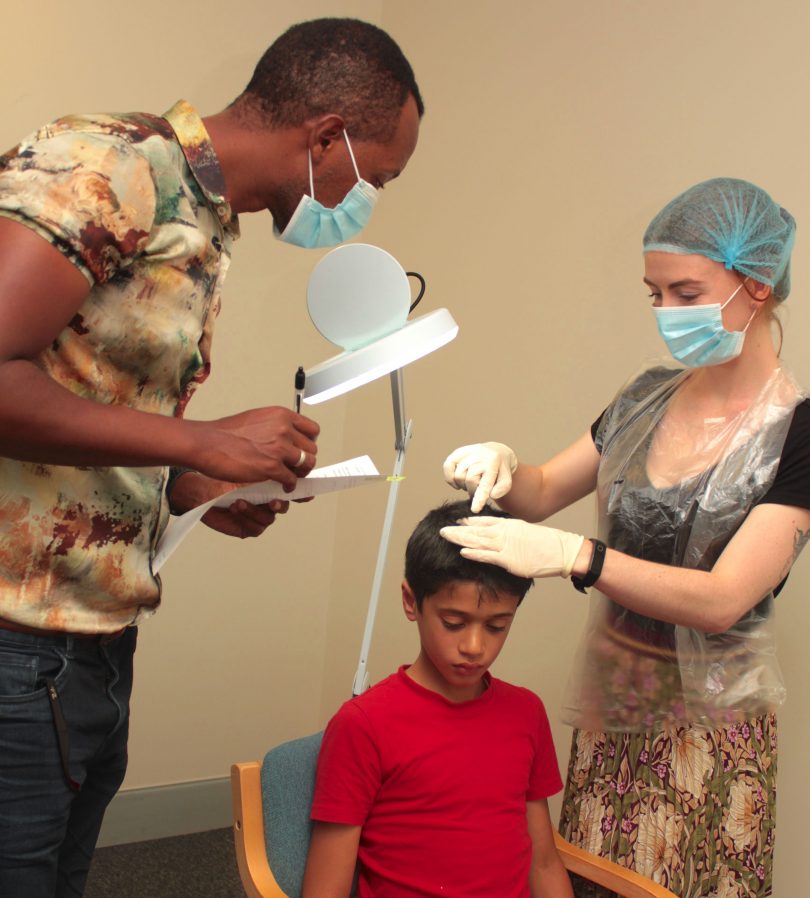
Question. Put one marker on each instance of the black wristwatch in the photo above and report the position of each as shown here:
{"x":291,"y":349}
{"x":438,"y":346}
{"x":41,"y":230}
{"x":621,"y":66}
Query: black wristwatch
{"x":594,"y":568}
{"x":175,"y":473}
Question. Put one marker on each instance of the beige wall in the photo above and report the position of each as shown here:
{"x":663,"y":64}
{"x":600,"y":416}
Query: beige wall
{"x":554,"y":131}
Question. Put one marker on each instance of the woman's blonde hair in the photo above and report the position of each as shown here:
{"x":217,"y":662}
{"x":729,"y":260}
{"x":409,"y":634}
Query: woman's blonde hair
{"x":771,"y":312}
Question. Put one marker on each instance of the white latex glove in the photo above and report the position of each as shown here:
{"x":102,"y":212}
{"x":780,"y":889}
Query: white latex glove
{"x":527,"y":550}
{"x":483,"y":469}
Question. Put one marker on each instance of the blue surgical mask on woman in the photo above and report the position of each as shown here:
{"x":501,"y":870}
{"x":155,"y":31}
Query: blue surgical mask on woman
{"x":696,"y":336}
{"x":313,"y":225}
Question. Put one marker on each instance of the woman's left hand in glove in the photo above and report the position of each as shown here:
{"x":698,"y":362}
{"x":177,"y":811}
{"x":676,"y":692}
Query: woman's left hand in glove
{"x":523,"y":549}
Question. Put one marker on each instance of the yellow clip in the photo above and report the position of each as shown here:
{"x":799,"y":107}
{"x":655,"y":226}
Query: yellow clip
{"x":395,"y":478}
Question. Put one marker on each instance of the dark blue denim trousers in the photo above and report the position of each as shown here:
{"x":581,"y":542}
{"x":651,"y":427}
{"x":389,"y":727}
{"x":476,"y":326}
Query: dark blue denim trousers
{"x":53,"y":796}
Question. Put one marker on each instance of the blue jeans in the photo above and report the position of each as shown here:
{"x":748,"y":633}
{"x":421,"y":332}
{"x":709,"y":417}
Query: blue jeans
{"x":53,"y":794}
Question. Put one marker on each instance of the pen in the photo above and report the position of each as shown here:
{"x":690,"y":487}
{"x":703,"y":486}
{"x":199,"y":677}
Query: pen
{"x":300,"y":382}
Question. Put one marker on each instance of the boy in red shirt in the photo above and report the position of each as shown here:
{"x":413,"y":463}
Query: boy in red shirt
{"x":436,"y":779}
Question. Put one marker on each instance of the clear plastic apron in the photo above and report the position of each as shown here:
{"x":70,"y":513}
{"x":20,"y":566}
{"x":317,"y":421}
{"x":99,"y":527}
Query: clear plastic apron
{"x":633,"y":673}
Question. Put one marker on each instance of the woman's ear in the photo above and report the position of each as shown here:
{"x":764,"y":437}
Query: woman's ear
{"x":756,"y":289}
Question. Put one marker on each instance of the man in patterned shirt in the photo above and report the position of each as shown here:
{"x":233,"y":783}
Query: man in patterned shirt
{"x":115,"y":236}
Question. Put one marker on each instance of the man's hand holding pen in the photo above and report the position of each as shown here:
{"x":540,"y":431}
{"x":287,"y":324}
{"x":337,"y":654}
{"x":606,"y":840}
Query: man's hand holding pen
{"x":271,"y":443}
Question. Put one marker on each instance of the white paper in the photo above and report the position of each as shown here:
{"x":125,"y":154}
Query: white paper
{"x":341,"y":476}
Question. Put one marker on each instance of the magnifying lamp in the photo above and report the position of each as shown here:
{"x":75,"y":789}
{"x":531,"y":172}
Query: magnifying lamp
{"x":359,"y":297}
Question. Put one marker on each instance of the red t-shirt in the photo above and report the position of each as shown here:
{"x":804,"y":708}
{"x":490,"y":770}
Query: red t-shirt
{"x":439,"y":787}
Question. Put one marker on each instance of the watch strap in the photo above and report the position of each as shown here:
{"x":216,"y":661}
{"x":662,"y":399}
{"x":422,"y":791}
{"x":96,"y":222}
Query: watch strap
{"x":594,"y":568}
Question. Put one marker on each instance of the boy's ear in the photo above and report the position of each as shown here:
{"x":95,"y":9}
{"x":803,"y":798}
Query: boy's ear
{"x":408,"y":601}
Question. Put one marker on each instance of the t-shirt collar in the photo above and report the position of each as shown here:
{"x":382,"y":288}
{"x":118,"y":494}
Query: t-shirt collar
{"x":437,"y":698}
{"x":202,"y":160}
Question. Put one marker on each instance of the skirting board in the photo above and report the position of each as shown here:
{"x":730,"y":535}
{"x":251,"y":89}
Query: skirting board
{"x":136,"y":815}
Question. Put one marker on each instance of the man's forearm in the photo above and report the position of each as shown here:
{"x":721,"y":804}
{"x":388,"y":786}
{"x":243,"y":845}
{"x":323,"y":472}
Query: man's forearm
{"x":41,"y":421}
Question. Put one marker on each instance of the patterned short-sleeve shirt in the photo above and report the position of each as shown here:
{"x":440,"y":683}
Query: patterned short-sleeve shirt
{"x":137,"y":203}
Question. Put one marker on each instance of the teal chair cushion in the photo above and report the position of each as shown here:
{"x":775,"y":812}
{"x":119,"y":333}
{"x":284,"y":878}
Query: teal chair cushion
{"x":288,"y":785}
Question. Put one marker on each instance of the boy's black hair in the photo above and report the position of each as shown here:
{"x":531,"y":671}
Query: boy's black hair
{"x":344,"y":66}
{"x":432,"y":562}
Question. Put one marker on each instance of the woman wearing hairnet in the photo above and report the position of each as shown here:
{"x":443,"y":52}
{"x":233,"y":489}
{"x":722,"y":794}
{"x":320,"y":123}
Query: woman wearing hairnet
{"x":702,"y":476}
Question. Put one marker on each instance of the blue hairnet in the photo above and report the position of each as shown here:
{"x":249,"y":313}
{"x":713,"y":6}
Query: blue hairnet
{"x":730,"y":221}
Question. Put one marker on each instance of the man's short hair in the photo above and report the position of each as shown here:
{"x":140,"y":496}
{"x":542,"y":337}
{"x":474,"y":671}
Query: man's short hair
{"x":431,"y":562}
{"x":343,"y":66}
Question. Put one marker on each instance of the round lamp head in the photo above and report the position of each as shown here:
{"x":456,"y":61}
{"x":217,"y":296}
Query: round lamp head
{"x":356,"y":294}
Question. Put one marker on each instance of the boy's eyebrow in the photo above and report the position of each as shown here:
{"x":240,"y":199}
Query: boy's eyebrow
{"x":458,"y":613}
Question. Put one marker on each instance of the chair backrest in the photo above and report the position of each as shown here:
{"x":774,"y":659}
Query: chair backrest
{"x":288,"y":785}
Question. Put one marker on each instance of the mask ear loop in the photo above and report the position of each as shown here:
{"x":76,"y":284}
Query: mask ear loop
{"x":351,"y":155}
{"x":311,"y":182}
{"x":742,"y":284}
{"x":756,"y":308}
{"x":750,"y":320}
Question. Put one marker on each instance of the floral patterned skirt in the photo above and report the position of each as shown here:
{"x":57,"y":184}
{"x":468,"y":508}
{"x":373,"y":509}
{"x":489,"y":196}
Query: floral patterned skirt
{"x":691,"y":808}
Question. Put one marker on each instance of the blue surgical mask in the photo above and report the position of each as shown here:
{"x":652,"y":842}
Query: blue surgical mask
{"x":695,"y":335}
{"x":313,"y":225}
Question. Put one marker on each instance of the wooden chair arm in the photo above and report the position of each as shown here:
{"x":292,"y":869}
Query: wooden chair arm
{"x":608,"y":874}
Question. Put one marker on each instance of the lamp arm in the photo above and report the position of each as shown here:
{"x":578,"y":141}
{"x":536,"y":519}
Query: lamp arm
{"x":403,"y":437}
{"x":398,"y":400}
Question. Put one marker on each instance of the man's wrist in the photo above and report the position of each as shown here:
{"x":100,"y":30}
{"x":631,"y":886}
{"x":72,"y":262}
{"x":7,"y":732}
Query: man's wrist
{"x":174,"y":496}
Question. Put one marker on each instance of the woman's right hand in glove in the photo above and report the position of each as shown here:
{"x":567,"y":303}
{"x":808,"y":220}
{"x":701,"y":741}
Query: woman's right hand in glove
{"x":484,"y":470}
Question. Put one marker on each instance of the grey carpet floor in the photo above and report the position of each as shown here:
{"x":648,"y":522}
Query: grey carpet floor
{"x":200,"y":865}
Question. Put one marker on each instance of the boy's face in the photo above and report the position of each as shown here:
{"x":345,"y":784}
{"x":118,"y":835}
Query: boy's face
{"x":462,"y":630}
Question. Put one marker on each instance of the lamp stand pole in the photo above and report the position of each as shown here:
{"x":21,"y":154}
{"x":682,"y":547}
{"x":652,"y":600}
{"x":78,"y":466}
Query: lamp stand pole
{"x":403,"y":433}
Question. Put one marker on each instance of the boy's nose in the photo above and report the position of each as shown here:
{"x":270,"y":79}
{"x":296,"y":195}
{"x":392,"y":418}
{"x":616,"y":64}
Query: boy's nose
{"x":472,"y":644}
